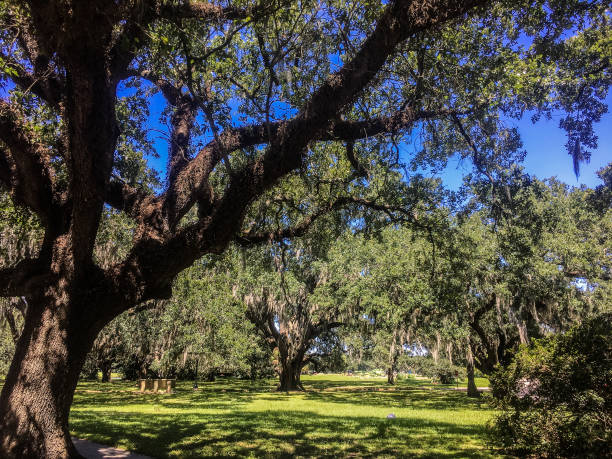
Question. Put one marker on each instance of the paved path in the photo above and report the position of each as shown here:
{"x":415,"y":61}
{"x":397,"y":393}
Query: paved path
{"x":460,"y":389}
{"x":91,"y":450}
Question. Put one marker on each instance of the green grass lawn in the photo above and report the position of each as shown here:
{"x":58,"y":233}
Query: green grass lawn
{"x":338,"y":416}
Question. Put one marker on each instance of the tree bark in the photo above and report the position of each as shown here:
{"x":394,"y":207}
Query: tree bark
{"x":472,"y":390}
{"x":106,"y":369}
{"x":289,"y":376}
{"x":38,"y":391}
{"x":291,"y":364}
{"x":391,"y":375}
{"x":522,"y":331}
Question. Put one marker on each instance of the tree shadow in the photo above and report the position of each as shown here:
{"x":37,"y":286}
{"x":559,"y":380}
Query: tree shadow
{"x":414,"y":398}
{"x":221,"y":420}
{"x":292,"y":433}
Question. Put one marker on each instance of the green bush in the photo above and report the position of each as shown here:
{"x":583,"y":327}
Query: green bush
{"x":421,"y":365}
{"x":556,"y":395}
{"x":442,"y":371}
{"x":445,"y":373}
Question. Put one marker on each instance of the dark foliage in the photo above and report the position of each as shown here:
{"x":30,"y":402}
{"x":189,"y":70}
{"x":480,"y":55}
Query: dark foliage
{"x":556,"y":395}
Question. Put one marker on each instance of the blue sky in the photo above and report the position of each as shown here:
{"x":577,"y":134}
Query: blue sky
{"x":546,"y":156}
{"x":544,"y":142}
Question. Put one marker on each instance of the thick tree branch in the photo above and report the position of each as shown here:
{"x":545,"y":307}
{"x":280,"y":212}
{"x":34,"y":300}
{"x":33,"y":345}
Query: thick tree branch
{"x":487,"y":360}
{"x":194,"y":178}
{"x":128,"y":199}
{"x":45,"y":85}
{"x":206,"y":11}
{"x":132,"y":38}
{"x":326,"y":326}
{"x":43,"y":82}
{"x":154,"y":263}
{"x":25,"y":163}
{"x":21,"y":279}
{"x":182,"y":121}
{"x":171,"y":92}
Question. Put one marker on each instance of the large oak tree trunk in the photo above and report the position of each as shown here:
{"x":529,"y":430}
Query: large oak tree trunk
{"x":289,"y":376}
{"x":38,"y":391}
{"x":472,"y":390}
{"x":393,"y":354}
{"x":291,"y":361}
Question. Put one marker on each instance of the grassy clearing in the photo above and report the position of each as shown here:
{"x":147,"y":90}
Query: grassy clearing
{"x":337,"y":416}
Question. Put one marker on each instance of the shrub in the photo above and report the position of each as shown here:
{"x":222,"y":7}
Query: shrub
{"x":443,"y":373}
{"x":556,"y":395}
{"x":422,"y":365}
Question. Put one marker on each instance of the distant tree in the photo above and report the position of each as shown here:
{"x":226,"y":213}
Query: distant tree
{"x":358,"y":345}
{"x":211,"y":333}
{"x":199,"y":333}
{"x":529,"y":260}
{"x":280,"y":286}
{"x":385,"y":280}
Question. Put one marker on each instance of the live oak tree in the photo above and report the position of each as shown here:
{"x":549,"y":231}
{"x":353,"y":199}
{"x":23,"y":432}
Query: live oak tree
{"x":281,"y":285}
{"x":531,"y":260}
{"x":209,"y":333}
{"x":384,"y":280}
{"x":520,"y":259}
{"x":250,"y":88}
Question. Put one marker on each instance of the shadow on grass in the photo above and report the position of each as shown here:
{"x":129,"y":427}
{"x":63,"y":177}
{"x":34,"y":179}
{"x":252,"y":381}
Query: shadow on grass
{"x":240,"y":418}
{"x":274,"y":434}
{"x":415,"y":398}
{"x":322,"y":383}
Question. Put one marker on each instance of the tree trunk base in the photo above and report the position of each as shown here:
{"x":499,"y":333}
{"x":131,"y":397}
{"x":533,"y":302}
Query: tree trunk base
{"x":472,"y":390}
{"x":290,"y":388}
{"x":38,"y":390}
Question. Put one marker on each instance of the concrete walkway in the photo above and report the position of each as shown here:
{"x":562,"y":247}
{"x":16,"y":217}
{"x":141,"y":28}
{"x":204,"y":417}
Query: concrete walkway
{"x":91,"y":450}
{"x":464,"y":389}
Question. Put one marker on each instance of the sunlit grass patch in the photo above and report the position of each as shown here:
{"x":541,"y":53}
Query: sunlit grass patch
{"x":337,"y":416}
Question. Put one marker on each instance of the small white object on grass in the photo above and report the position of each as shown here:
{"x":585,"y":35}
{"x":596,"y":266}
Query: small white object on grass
{"x":391,"y":416}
